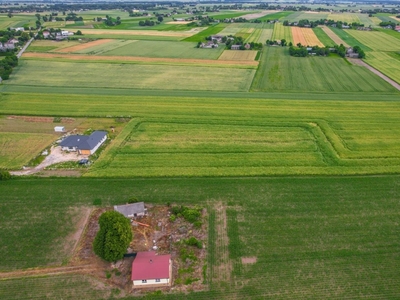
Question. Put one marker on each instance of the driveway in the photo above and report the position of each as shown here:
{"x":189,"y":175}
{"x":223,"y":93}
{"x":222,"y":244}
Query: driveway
{"x":56,"y":156}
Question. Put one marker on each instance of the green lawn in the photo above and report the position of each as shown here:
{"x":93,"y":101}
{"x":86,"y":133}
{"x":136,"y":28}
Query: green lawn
{"x":137,"y":76}
{"x":316,"y":237}
{"x":280,"y":72}
{"x":323,"y":37}
{"x":164,"y":49}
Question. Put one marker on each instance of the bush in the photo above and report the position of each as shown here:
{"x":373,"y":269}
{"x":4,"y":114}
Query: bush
{"x":133,"y":200}
{"x":5,"y":175}
{"x":192,"y":241}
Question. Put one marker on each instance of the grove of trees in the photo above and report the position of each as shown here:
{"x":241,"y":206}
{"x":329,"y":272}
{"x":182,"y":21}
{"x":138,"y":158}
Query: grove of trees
{"x":114,"y":236}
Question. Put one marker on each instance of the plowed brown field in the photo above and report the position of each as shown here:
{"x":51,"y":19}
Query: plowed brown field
{"x":84,"y":46}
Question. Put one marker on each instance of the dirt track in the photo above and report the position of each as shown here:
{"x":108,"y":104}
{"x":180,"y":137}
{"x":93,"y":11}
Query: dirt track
{"x":141,"y":59}
{"x":360,"y":62}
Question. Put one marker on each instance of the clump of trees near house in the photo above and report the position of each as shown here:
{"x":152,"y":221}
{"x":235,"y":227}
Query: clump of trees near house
{"x":7,"y":65}
{"x":303,"y":51}
{"x":147,"y":23}
{"x":238,"y":40}
{"x":114,"y":236}
{"x":192,"y":215}
{"x":328,"y":22}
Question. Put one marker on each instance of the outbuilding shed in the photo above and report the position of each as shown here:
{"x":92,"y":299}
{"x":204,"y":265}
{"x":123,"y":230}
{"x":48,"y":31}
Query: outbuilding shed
{"x":59,"y":129}
{"x":131,"y":210}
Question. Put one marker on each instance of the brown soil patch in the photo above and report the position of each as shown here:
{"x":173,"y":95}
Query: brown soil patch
{"x":40,"y":119}
{"x":179,"y":22}
{"x":85,"y":45}
{"x":140,"y":59}
{"x":81,"y":220}
{"x":138,"y":32}
{"x":249,"y":260}
{"x":333,"y":36}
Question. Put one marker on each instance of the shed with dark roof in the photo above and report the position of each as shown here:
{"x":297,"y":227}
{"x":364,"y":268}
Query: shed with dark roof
{"x":84,"y":144}
{"x":131,"y":210}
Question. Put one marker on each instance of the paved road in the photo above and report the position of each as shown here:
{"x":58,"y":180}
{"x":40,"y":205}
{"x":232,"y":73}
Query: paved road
{"x":24,"y":48}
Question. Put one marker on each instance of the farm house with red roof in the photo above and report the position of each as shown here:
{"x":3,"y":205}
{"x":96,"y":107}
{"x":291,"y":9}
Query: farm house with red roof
{"x":151,"y":270}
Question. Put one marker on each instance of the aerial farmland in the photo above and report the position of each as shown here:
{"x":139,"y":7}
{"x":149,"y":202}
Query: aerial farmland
{"x":278,"y":128}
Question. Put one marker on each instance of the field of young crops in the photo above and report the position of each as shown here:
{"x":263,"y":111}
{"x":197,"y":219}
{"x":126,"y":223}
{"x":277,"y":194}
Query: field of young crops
{"x":282,"y":32}
{"x":310,"y":237}
{"x":344,"y":17}
{"x":279,"y":71}
{"x":385,"y":63}
{"x":248,"y":55}
{"x":161,"y":49}
{"x":17,"y":149}
{"x":111,"y":75}
{"x":378,"y":41}
{"x":48,"y":45}
{"x":323,"y":37}
{"x":311,"y":16}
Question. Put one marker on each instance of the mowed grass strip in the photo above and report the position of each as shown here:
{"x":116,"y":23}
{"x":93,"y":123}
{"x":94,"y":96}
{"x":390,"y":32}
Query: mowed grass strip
{"x":165,"y":49}
{"x":378,"y":41}
{"x":385,"y":63}
{"x":279,"y":71}
{"x":282,"y":32}
{"x":247,"y":55}
{"x":323,"y":37}
{"x":122,"y":76}
{"x":17,"y":149}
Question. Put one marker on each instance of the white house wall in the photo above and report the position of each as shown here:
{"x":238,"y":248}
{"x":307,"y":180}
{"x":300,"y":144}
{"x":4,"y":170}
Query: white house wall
{"x":138,"y":283}
{"x":98,"y":145}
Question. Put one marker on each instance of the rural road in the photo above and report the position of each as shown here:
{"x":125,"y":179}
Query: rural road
{"x":56,"y":156}
{"x":356,"y":61}
{"x":24,"y":48}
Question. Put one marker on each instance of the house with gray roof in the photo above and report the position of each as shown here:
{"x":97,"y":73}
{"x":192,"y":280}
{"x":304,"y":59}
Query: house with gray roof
{"x":84,"y":144}
{"x":131,"y":210}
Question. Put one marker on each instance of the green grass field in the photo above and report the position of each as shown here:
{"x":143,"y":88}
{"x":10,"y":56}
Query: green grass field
{"x":205,"y":33}
{"x":137,"y":76}
{"x":282,"y":32}
{"x":377,"y":41}
{"x":316,"y":237}
{"x":323,"y":37}
{"x":164,"y":49}
{"x":385,"y":63}
{"x":349,"y":39}
{"x":279,"y":71}
{"x":276,"y":16}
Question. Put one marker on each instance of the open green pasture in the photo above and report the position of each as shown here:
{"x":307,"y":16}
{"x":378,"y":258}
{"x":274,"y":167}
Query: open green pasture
{"x":366,"y":20}
{"x":276,"y":16}
{"x":323,"y":37}
{"x":282,"y":32}
{"x":344,"y":17}
{"x":349,"y":38}
{"x":279,"y":71}
{"x":17,"y":149}
{"x":137,"y":76}
{"x":301,"y":15}
{"x":199,"y":37}
{"x":163,"y":49}
{"x":376,"y":40}
{"x":49,"y":45}
{"x":309,"y":237}
{"x":386,"y":63}
{"x":18,"y":20}
{"x":122,"y":36}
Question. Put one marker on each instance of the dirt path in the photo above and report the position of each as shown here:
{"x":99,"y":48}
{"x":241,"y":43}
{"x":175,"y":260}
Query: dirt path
{"x":56,"y":156}
{"x":360,"y":62}
{"x":48,"y":271}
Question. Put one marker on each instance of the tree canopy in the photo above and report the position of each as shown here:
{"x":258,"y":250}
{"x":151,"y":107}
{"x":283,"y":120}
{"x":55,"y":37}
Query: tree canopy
{"x":114,"y":236}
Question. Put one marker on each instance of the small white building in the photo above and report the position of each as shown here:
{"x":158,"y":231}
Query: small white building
{"x":59,"y":129}
{"x":151,"y":270}
{"x":131,"y":210}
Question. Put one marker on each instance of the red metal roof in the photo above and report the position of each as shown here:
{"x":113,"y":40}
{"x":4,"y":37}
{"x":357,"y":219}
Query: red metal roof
{"x":148,"y":265}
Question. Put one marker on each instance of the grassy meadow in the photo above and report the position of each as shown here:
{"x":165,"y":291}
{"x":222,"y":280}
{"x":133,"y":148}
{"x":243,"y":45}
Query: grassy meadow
{"x":375,"y":40}
{"x":280,"y":72}
{"x":303,"y":243}
{"x":282,"y":32}
{"x":133,"y":76}
{"x":386,"y":63}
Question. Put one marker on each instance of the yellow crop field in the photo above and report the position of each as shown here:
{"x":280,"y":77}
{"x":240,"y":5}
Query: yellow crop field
{"x":247,"y":55}
{"x":378,"y":41}
{"x":305,"y":36}
{"x":344,"y":17}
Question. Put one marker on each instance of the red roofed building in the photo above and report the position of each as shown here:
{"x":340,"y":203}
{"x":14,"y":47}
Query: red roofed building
{"x":149,"y":269}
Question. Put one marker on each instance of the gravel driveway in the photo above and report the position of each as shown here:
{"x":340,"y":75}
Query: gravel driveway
{"x":56,"y":156}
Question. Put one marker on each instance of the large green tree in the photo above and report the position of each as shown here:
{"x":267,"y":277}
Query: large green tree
{"x":114,"y":236}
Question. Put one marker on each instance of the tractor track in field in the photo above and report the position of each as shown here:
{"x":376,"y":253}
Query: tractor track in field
{"x":81,"y":269}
